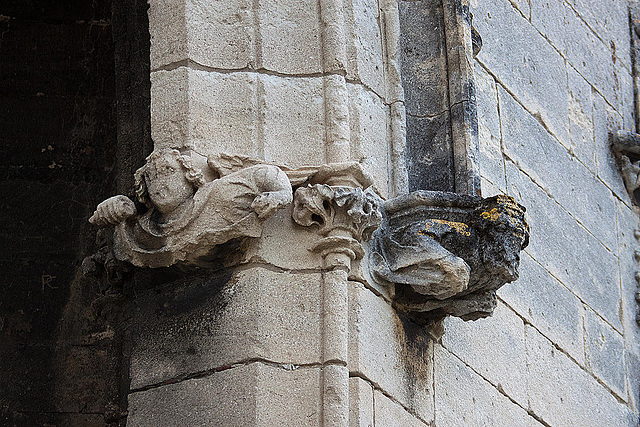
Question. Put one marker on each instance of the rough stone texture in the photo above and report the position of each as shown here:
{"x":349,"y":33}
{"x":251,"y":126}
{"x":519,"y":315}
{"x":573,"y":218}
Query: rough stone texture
{"x":365,"y":59}
{"x":254,"y":394}
{"x":448,"y":253}
{"x":218,"y":321}
{"x":548,"y":305}
{"x":494,"y":348}
{"x":463,"y":398}
{"x":605,"y":353}
{"x":368,"y":117}
{"x":361,"y":409}
{"x":567,"y":250}
{"x":530,"y":146}
{"x":391,"y":352}
{"x":391,"y":414}
{"x":563,"y":394}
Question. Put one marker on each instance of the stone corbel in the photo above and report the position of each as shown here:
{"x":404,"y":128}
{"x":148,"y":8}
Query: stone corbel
{"x":626,"y":146}
{"x":343,"y":215}
{"x":189,"y":205}
{"x":448,"y":253}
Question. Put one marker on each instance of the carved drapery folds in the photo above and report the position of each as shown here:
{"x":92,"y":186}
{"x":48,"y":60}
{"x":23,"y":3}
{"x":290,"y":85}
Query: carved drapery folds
{"x":448,"y":253}
{"x":193,"y":204}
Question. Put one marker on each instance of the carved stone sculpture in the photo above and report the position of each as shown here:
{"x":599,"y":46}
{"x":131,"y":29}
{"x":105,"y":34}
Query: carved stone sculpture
{"x":626,"y":146}
{"x":448,"y":253}
{"x":192,"y":206}
{"x":343,"y":215}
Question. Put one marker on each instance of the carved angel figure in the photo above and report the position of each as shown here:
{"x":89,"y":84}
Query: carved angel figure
{"x":191,"y":209}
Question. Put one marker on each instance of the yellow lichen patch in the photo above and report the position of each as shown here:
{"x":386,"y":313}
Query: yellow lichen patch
{"x":441,"y":226}
{"x":492,"y":215}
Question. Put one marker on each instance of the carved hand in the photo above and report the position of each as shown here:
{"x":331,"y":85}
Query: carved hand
{"x":113,"y":211}
{"x":265,"y":204}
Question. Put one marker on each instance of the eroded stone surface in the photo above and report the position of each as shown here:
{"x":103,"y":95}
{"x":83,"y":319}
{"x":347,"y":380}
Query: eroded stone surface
{"x":193,"y":205}
{"x":448,"y":253}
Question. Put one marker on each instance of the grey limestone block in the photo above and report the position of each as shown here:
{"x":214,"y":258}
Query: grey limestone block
{"x":246,"y":395}
{"x":210,"y":322}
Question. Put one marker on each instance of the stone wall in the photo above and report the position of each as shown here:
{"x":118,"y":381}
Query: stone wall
{"x":253,"y":340}
{"x":554,"y":82}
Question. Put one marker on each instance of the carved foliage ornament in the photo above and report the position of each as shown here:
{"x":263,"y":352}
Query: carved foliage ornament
{"x":343,"y":215}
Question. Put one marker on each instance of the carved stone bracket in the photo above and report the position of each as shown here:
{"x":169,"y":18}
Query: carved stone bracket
{"x":626,"y":146}
{"x":192,"y":205}
{"x":448,"y":253}
{"x":344,"y":216}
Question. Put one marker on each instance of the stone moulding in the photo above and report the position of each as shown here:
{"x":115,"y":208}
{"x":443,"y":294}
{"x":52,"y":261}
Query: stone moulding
{"x":193,"y":205}
{"x":448,"y":253}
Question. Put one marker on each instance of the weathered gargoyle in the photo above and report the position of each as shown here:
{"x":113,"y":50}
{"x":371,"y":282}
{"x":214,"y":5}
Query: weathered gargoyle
{"x":193,"y":204}
{"x":626,"y":146}
{"x":448,"y":253}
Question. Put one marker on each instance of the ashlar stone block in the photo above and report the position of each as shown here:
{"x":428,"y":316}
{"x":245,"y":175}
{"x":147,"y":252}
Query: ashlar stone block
{"x":365,"y":58}
{"x":605,"y":353}
{"x":217,"y":34}
{"x":494,"y":347}
{"x":491,"y":161}
{"x":548,"y":305}
{"x":549,"y":163}
{"x":290,"y":40}
{"x":361,"y":411}
{"x":581,"y":118}
{"x":253,"y":394}
{"x":390,"y":414}
{"x":392,"y":353}
{"x":534,"y":72}
{"x":610,"y":21}
{"x":208,"y":111}
{"x":464,"y":398}
{"x":292,"y":113}
{"x":606,"y":122}
{"x":567,"y":250}
{"x":562,"y":393}
{"x":368,"y":118}
{"x":628,"y":224}
{"x":215,"y":322}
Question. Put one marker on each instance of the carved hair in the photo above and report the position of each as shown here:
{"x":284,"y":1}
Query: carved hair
{"x":191,"y":173}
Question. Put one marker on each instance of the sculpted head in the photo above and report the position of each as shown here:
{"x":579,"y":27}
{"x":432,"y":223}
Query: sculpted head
{"x":167,"y":180}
